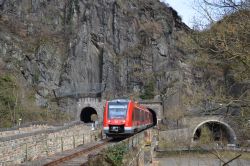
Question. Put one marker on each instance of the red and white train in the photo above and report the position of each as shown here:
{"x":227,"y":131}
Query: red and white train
{"x":125,"y":117}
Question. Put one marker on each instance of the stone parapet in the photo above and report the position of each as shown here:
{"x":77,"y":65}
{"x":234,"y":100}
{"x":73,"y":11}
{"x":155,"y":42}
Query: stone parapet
{"x":29,"y":146}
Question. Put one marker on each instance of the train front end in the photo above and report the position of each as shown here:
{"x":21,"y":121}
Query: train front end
{"x":116,"y":119}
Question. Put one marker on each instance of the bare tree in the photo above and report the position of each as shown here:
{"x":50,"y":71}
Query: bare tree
{"x":210,"y":11}
{"x":222,"y":54}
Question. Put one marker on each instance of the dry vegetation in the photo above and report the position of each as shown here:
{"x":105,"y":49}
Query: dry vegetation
{"x":26,"y":35}
{"x":17,"y":104}
{"x":221,"y":61}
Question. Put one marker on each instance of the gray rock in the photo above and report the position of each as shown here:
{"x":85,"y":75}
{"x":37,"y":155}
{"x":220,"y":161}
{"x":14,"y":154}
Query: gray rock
{"x":110,"y":46}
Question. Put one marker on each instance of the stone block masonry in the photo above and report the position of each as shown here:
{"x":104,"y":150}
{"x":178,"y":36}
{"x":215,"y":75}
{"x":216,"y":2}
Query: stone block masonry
{"x":177,"y":136}
{"x":22,"y":129}
{"x":130,"y":150}
{"x":29,"y":146}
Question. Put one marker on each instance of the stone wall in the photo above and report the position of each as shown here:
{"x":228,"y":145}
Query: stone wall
{"x":95,"y":103}
{"x":156,"y":107}
{"x":29,"y":146}
{"x":22,"y":130}
{"x":135,"y":151}
{"x":176,"y":137}
{"x":98,"y":105}
{"x":184,"y":136}
{"x":138,"y":154}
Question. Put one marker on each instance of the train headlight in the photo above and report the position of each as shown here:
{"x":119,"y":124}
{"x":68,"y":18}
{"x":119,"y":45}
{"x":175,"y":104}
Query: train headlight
{"x":109,"y":121}
{"x":123,"y":121}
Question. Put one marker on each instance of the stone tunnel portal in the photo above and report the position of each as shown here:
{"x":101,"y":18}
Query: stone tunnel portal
{"x":154,"y":116}
{"x":87,"y":114}
{"x":216,"y":130}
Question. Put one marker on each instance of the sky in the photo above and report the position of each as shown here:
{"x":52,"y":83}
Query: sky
{"x":191,"y":10}
{"x":184,"y":9}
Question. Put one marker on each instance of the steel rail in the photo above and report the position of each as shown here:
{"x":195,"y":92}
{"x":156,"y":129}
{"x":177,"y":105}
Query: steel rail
{"x":77,"y":154}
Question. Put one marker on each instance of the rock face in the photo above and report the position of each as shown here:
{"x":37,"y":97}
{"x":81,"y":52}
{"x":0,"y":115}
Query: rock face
{"x":92,"y":47}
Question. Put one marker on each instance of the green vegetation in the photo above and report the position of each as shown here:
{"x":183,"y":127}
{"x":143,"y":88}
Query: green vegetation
{"x":8,"y":100}
{"x":17,"y":103}
{"x":148,"y":91}
{"x":116,"y":153}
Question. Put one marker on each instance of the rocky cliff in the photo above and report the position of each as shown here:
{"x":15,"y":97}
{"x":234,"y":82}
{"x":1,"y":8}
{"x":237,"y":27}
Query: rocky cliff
{"x":108,"y":48}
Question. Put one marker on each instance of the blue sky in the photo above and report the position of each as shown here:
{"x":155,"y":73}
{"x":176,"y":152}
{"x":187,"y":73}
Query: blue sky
{"x":191,"y":10}
{"x":184,"y":9}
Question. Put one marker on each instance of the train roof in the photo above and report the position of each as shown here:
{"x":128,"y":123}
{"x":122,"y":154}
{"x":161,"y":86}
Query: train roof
{"x":127,"y":101}
{"x":119,"y":100}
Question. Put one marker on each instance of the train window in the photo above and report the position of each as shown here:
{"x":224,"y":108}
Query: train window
{"x":137,"y":114}
{"x":143,"y":115}
{"x":117,"y":111}
{"x":133,"y":115}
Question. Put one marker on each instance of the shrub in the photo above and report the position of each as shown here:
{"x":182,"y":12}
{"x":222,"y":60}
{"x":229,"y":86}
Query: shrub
{"x":148,"y":92}
{"x":115,"y":154}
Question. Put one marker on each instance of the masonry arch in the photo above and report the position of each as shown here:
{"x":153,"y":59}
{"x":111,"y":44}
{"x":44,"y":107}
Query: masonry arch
{"x":86,"y":114}
{"x":220,"y":131}
{"x":154,"y":116}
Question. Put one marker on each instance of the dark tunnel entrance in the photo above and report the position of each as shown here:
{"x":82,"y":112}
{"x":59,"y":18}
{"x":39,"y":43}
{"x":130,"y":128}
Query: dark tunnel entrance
{"x":215,"y":131}
{"x":154,"y":116}
{"x":88,"y":113}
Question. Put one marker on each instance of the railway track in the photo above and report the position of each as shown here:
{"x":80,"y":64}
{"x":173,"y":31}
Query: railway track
{"x":73,"y":157}
{"x":80,"y":156}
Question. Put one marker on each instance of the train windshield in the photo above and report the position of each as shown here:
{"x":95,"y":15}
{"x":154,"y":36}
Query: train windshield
{"x":117,"y":110}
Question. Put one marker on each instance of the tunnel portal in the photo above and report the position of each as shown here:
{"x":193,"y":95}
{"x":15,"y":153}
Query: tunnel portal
{"x":154,"y":116}
{"x":87,"y":113}
{"x":218,"y":131}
